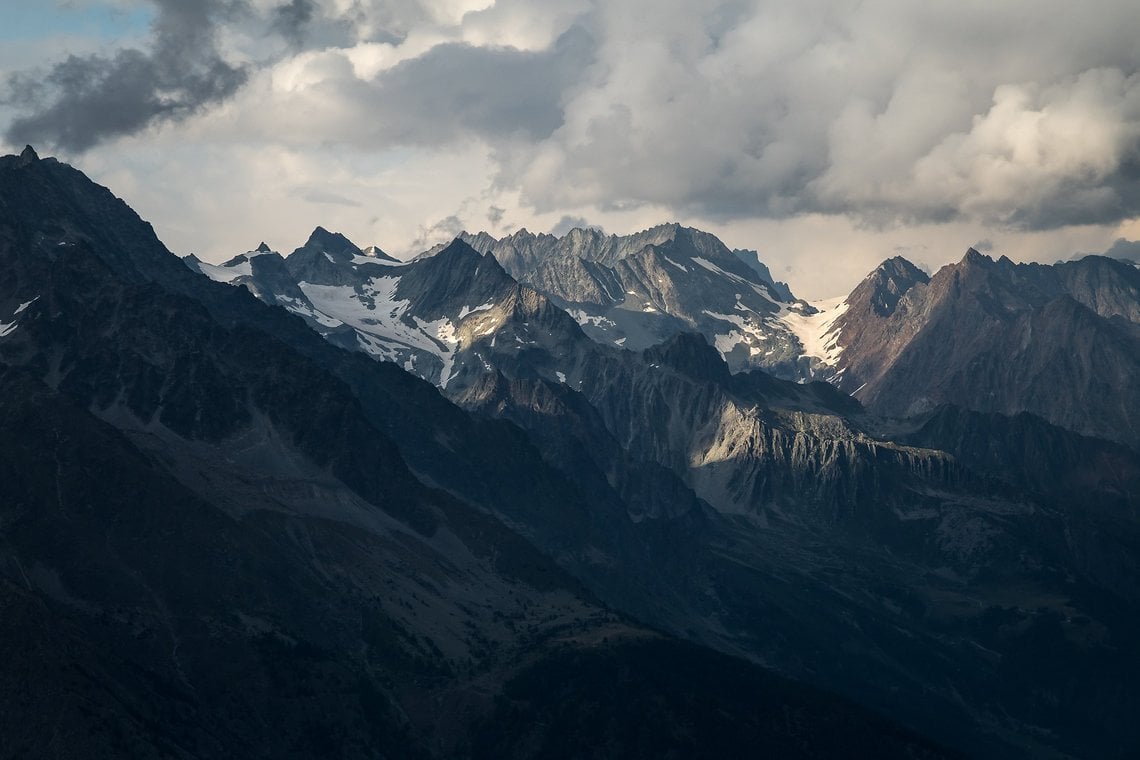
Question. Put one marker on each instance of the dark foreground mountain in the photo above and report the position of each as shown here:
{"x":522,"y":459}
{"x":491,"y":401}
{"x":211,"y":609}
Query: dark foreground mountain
{"x":222,"y":536}
{"x":971,"y":574}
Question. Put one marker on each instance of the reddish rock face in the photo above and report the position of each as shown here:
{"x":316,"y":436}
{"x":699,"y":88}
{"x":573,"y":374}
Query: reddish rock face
{"x":1060,"y":341}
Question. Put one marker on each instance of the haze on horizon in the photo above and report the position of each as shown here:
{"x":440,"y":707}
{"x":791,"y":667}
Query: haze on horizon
{"x":826,"y":135}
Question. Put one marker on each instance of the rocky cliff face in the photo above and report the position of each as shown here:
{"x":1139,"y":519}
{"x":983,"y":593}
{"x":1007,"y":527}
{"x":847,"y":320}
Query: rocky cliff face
{"x":1062,"y":341}
{"x":800,"y":482}
{"x":1035,"y":456}
{"x":637,"y":290}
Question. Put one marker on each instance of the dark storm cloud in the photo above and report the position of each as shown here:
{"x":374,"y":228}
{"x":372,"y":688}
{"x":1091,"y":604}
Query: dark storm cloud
{"x":82,"y":101}
{"x":457,"y":88}
{"x":306,"y":24}
{"x":1126,"y":250}
{"x":292,"y":19}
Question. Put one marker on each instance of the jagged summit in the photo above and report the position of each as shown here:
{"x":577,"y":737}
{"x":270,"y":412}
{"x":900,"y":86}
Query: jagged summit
{"x":897,"y":266}
{"x":975,"y":257}
{"x":883,"y":287}
{"x":263,"y":248}
{"x":998,"y":336}
{"x":459,"y":250}
{"x":29,"y":155}
{"x":637,"y":290}
{"x":332,"y":243}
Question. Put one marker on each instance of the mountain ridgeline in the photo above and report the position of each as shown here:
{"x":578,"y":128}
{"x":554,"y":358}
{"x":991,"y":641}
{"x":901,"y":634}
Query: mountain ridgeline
{"x":579,"y":496}
{"x":1061,"y":342}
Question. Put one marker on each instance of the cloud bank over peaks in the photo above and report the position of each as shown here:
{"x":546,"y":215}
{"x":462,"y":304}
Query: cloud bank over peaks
{"x":789,"y":112}
{"x":993,"y":119}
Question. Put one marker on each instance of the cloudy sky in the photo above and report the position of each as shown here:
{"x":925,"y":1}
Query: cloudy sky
{"x":827,"y":135}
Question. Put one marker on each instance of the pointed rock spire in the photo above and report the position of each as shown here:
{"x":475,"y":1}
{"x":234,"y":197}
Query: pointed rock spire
{"x":975,"y":257}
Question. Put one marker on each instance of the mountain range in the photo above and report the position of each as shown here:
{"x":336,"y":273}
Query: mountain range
{"x":550,"y":496}
{"x":1061,"y":342}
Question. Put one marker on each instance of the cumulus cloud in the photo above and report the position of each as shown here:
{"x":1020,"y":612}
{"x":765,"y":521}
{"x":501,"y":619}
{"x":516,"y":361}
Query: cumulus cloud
{"x":883,"y":113}
{"x":443,"y":231}
{"x":495,"y":93}
{"x":891,"y":112}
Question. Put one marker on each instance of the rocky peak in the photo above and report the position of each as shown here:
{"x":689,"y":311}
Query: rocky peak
{"x":522,"y":234}
{"x":263,"y":248}
{"x":691,"y":355}
{"x":460,"y":253}
{"x":61,"y":205}
{"x":1107,"y":286}
{"x":332,"y":243}
{"x":670,"y":229}
{"x":480,"y":241}
{"x":323,"y":259}
{"x":585,"y":233}
{"x":975,"y":258}
{"x":455,"y":277}
{"x":883,"y":288}
{"x":751,"y":259}
{"x":28,"y":156}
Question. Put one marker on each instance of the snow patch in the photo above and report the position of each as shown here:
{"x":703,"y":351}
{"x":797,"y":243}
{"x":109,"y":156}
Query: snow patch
{"x":297,"y":306}
{"x":25,"y":305}
{"x":443,"y":331}
{"x":584,"y":318}
{"x":227,"y":274}
{"x":468,"y":310}
{"x":378,"y":316}
{"x":750,"y":332}
{"x":357,"y":260}
{"x":818,"y":333}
